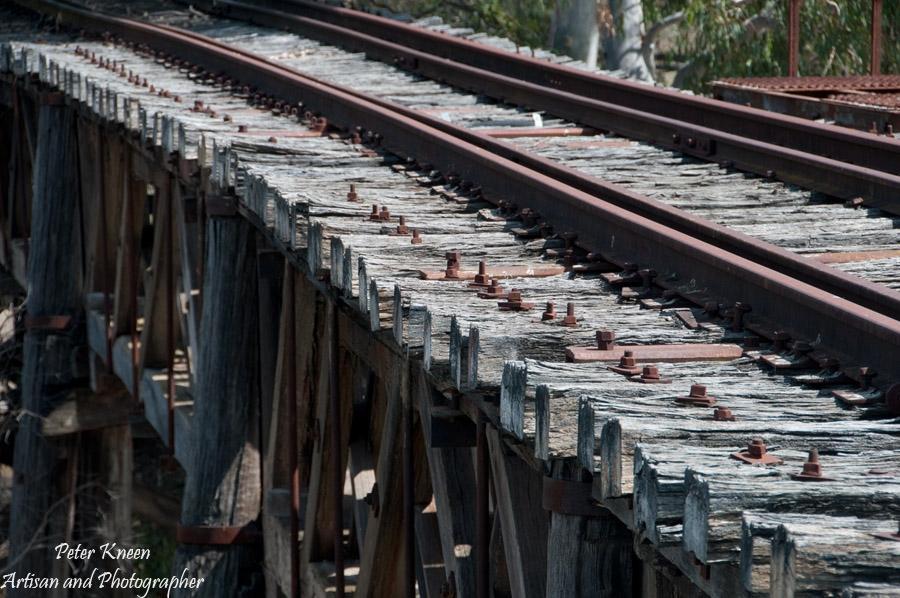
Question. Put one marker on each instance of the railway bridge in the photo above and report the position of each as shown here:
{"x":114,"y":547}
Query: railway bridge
{"x":340,"y":304}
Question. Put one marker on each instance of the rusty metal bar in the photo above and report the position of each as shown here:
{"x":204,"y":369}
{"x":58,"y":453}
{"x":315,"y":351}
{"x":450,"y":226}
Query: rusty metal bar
{"x":338,"y":473}
{"x":877,"y":6}
{"x":294,"y":424}
{"x":170,"y":321}
{"x":793,"y":36}
{"x":482,"y":514}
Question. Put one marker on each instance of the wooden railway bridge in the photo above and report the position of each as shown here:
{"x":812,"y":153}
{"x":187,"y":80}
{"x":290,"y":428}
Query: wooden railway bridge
{"x":345,"y":423}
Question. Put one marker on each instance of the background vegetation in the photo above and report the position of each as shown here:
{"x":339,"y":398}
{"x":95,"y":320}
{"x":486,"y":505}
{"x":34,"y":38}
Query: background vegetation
{"x":707,"y":39}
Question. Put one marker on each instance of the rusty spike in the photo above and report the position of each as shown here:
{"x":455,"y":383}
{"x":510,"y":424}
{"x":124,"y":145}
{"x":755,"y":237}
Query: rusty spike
{"x":452,"y":270}
{"x":697,"y":397}
{"x":570,"y":320}
{"x":606,"y":340}
{"x":756,"y":454}
{"x":549,"y":312}
{"x":812,"y":469}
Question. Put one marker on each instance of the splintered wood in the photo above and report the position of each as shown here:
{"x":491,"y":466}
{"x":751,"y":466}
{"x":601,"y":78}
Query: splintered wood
{"x":672,"y":451}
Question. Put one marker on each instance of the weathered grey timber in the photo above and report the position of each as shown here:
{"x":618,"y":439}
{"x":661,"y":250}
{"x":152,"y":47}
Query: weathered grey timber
{"x":816,"y":556}
{"x":55,"y":279}
{"x":267,"y":176}
{"x":223,"y":488}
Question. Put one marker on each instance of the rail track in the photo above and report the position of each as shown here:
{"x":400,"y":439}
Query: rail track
{"x":812,"y":313}
{"x":711,"y":290}
{"x":840,"y":162}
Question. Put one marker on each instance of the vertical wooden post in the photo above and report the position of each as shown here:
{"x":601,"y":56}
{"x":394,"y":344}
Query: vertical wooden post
{"x":482,"y":515}
{"x":793,"y":36}
{"x":877,"y":6}
{"x":222,"y":488}
{"x":55,"y":278}
{"x":587,"y":555}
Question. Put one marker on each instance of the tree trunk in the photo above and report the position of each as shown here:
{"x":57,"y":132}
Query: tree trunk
{"x":223,"y":482}
{"x":54,"y":279}
{"x":574,"y":30}
{"x":622,"y":33}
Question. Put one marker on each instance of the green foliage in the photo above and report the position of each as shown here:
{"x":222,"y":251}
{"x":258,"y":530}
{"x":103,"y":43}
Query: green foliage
{"x":526,"y":22}
{"x":162,"y":550}
{"x":716,"y":38}
{"x":728,"y":38}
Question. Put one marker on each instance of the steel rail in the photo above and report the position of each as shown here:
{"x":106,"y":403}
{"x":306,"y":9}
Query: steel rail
{"x":853,"y":334}
{"x":748,"y":138}
{"x":874,"y":296}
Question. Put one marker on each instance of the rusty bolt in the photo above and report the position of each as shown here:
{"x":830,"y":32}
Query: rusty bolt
{"x":647,"y":275}
{"x":402,"y":228}
{"x":177,"y":98}
{"x":374,"y":215}
{"x":452,"y":270}
{"x":144,"y":82}
{"x":385,"y":214}
{"x":514,"y":302}
{"x":272,"y":140}
{"x":481,"y":279}
{"x":697,"y":397}
{"x":494,"y":291}
{"x":416,"y":239}
{"x":812,"y":469}
{"x":756,"y":454}
{"x":723,"y":414}
{"x":549,"y":312}
{"x":242,"y":128}
{"x":152,"y":89}
{"x":606,"y":340}
{"x":737,"y":316}
{"x":570,"y":319}
{"x":627,"y":365}
{"x":756,"y":448}
{"x":351,"y":195}
{"x":779,"y":338}
{"x":650,"y":372}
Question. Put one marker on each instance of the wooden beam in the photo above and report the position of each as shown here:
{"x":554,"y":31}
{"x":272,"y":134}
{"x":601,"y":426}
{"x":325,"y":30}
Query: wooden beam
{"x":517,"y":492}
{"x":453,"y":482}
{"x":586,"y":556}
{"x":55,"y":287}
{"x":222,"y":486}
{"x":88,"y":411}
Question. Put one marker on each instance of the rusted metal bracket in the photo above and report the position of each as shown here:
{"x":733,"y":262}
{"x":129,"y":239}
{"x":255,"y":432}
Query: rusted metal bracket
{"x":218,"y":535}
{"x":695,"y":144}
{"x":570,"y":498}
{"x":56,"y":323}
{"x":656,"y":353}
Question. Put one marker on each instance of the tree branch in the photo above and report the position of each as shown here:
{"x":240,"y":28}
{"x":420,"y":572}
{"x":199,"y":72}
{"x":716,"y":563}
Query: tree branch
{"x":649,"y":40}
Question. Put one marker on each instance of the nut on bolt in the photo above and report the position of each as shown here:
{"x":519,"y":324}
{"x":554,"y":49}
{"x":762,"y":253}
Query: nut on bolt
{"x":452,"y":270}
{"x":402,"y":229}
{"x":756,"y":454}
{"x":514,"y":302}
{"x":570,"y":320}
{"x":627,"y":365}
{"x":482,"y":280}
{"x":549,"y":312}
{"x":494,"y":291}
{"x":351,"y":195}
{"x":812,"y":469}
{"x":606,"y":340}
{"x":416,"y":239}
{"x":697,"y":397}
{"x":723,"y":414}
{"x":650,"y":375}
